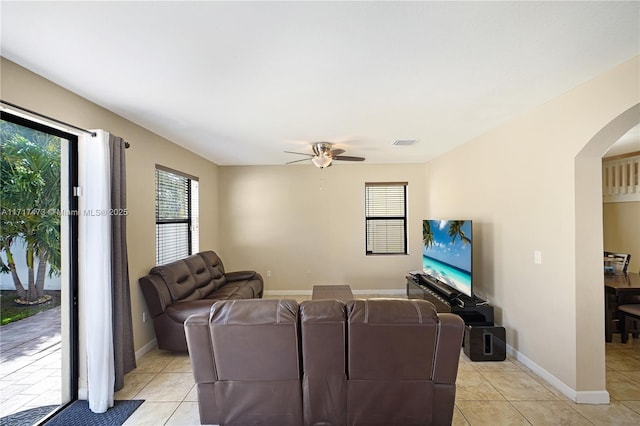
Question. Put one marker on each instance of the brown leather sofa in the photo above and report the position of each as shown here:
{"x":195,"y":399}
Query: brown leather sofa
{"x":189,"y":286}
{"x":325,"y":362}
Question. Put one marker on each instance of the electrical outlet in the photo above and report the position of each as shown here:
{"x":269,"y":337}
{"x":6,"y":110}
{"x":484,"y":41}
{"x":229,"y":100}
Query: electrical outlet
{"x":537,"y":257}
{"x":268,"y":274}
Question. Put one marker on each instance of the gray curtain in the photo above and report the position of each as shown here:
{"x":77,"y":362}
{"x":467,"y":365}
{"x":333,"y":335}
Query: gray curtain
{"x":124,"y":355}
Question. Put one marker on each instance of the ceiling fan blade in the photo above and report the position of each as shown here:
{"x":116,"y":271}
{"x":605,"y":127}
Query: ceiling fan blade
{"x":348,"y":158}
{"x":336,"y":152}
{"x":297,"y":161}
{"x":299,"y":153}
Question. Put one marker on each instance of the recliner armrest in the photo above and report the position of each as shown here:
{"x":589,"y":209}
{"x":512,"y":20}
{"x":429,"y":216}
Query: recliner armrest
{"x":197,"y":332}
{"x":242,"y":275}
{"x":156,"y":293}
{"x":451,"y":332}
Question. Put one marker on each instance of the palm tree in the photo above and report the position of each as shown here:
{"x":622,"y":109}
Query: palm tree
{"x":30,"y":202}
{"x":455,"y":230}
{"x":427,"y":234}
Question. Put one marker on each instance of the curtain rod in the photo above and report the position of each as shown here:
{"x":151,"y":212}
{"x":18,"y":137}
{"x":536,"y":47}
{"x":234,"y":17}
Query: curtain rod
{"x":89,"y":132}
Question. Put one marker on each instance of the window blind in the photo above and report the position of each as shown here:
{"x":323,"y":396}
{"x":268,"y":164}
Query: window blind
{"x":175,"y":223}
{"x":386,"y":218}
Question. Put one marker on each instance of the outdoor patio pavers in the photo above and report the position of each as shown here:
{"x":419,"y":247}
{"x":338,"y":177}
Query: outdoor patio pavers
{"x":30,"y":362}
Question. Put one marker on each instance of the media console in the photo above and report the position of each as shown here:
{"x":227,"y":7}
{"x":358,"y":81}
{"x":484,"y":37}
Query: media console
{"x":483,"y":341}
{"x":474,"y":312}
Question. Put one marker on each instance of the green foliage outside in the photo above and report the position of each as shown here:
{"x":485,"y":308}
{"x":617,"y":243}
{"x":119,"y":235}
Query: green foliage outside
{"x":11,"y":311}
{"x":29,"y":207}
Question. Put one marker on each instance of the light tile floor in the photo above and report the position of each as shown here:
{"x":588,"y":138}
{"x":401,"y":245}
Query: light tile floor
{"x":491,"y":393}
{"x":488,"y":393}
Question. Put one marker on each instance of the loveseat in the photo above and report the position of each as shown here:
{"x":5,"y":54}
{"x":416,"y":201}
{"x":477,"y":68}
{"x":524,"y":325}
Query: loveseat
{"x":189,"y":286}
{"x":325,"y":362}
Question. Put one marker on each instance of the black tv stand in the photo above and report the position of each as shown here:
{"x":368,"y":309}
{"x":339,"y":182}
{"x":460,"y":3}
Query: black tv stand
{"x":473,"y":310}
{"x":466,"y":302}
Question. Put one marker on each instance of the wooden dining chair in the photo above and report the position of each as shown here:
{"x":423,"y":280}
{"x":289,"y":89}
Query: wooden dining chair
{"x":616,"y":263}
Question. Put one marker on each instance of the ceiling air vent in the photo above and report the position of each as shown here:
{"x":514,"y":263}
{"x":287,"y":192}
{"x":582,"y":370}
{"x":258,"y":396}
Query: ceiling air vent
{"x":404,"y":142}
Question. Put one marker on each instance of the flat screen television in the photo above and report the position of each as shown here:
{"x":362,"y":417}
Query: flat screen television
{"x":447,"y":254}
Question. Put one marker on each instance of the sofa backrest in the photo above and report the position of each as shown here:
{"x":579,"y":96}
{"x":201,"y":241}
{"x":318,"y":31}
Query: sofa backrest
{"x":392,"y":347}
{"x":201,"y":274}
{"x":253,"y":357}
{"x":191,"y":278}
{"x":215,"y":267}
{"x":378,"y":361}
{"x":178,"y":278}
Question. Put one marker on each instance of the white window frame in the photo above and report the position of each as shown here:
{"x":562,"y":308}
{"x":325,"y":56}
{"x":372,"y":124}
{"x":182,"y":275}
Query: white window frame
{"x":166,"y":247}
{"x":385,"y":218}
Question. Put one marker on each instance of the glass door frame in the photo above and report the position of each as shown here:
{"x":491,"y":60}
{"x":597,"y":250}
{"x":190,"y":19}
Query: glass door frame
{"x":70,"y":213}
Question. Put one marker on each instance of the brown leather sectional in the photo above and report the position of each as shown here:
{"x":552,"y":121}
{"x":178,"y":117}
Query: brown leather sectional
{"x":189,"y":286}
{"x":325,"y":362}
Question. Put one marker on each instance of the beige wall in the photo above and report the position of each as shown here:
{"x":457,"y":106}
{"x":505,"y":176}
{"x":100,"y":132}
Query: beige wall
{"x":306,"y":225}
{"x":28,"y":90}
{"x":621,"y":222}
{"x":529,"y":187}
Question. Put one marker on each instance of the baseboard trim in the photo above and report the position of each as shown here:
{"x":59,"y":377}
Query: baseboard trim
{"x":592,"y":397}
{"x":287,"y":293}
{"x":579,"y":397}
{"x":146,"y":348}
{"x":384,"y":292}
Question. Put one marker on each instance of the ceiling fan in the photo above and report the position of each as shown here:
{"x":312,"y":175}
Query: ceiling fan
{"x":323,"y":155}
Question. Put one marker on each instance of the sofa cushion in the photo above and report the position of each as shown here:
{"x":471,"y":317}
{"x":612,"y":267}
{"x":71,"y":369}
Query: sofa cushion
{"x":388,"y":340}
{"x":201,"y":274}
{"x":256,"y":339}
{"x":246,"y":278}
{"x":241,"y":290}
{"x":216,"y":268}
{"x":180,"y":311}
{"x":179,"y":280}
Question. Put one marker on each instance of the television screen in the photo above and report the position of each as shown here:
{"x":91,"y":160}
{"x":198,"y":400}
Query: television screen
{"x":446,"y":253}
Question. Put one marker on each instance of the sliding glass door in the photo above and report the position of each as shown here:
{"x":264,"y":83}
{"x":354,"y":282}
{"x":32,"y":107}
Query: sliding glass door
{"x":38,"y":269}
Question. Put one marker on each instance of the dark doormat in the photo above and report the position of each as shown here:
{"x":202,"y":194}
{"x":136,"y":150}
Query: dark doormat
{"x":27,"y":417}
{"x":79,"y":414}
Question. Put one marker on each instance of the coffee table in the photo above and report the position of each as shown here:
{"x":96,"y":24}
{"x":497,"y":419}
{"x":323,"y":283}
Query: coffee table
{"x":339,"y":292}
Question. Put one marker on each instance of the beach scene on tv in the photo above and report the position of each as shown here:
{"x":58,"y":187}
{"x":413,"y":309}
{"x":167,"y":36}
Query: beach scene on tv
{"x":446,"y":253}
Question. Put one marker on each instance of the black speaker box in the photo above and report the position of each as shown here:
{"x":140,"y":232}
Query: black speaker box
{"x":485,"y":343}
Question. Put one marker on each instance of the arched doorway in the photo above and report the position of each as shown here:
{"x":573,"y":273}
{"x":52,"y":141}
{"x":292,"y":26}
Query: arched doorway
{"x":590,"y":355}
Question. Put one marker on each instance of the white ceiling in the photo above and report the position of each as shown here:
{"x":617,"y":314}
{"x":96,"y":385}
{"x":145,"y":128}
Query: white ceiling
{"x":241,"y":82}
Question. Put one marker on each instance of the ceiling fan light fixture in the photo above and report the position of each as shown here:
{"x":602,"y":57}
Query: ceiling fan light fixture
{"x":321,"y":161}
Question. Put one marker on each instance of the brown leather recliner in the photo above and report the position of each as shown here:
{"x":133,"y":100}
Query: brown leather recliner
{"x":366,"y":362}
{"x":399,"y":365}
{"x":246,"y":362}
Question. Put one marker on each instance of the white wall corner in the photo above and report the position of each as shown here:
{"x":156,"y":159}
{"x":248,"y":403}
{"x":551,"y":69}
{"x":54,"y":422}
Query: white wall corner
{"x":579,"y":397}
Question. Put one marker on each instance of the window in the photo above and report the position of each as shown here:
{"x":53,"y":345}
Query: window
{"x":386,"y":218}
{"x":177,"y":229}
